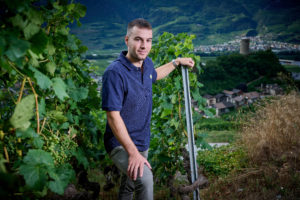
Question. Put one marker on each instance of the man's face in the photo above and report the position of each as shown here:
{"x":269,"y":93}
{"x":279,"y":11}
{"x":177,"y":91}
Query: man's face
{"x":139,"y":43}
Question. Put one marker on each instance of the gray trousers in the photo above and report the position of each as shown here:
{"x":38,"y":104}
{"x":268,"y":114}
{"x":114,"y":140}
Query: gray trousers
{"x":143,"y":186}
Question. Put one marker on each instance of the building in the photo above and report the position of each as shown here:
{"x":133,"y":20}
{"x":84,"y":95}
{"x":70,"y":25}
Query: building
{"x":223,"y":107}
{"x":210,"y":100}
{"x":251,"y":97}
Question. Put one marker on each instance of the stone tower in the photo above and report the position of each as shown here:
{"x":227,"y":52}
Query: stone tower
{"x":245,"y":46}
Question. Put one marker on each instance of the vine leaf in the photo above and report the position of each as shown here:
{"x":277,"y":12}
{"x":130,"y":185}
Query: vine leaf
{"x":50,"y":67}
{"x":42,"y":80}
{"x":38,"y":142}
{"x":81,"y":158}
{"x":34,"y":59}
{"x":2,"y":44}
{"x":17,"y":48}
{"x":38,"y":156}
{"x":23,"y":113}
{"x":35,"y":17}
{"x":57,"y":116}
{"x":79,"y":94}
{"x":59,"y":88}
{"x":71,"y":43}
{"x":34,"y":175}
{"x":30,"y":133}
{"x":50,"y":49}
{"x":35,"y":167}
{"x":80,"y":10}
{"x":42,"y":108}
{"x":19,"y":22}
{"x":61,"y":177}
{"x":30,"y":30}
{"x":39,"y":42}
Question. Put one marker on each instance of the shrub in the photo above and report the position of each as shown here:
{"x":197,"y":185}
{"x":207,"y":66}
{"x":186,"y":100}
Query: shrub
{"x":221,"y":161}
{"x":218,"y":126}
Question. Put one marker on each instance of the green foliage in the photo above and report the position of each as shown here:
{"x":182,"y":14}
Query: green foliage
{"x":47,"y":96}
{"x":39,"y":166}
{"x":223,"y":160}
{"x":168,"y":119}
{"x":218,"y":126}
{"x":228,"y":71}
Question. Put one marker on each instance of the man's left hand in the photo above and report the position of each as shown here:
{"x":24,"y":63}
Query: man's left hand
{"x":189,"y":62}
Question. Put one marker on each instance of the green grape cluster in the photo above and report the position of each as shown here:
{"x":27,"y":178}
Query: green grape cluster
{"x":60,"y":147}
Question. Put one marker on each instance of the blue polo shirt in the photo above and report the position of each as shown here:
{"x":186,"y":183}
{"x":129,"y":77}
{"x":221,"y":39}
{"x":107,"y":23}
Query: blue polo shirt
{"x":126,"y":89}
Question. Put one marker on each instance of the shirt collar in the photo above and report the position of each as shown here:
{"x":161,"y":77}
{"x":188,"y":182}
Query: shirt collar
{"x":124,"y":60}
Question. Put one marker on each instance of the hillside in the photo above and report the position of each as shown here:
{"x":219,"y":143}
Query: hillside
{"x":215,"y":21}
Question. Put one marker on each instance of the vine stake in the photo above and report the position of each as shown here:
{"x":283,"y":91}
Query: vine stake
{"x":190,"y":130}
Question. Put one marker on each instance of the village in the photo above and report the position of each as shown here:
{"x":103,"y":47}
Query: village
{"x":229,"y":100}
{"x":257,"y":43}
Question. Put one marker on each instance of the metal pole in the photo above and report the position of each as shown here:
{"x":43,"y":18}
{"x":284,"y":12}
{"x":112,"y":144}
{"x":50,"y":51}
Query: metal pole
{"x":190,"y":130}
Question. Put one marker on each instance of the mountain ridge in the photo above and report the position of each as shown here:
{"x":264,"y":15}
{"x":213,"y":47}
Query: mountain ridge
{"x":212,"y":21}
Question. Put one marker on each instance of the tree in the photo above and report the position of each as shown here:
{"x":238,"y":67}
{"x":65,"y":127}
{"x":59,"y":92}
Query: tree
{"x":228,"y":71}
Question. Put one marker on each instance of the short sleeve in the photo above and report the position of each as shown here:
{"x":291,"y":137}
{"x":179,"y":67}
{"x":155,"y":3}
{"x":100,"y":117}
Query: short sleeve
{"x":154,"y":75}
{"x":112,"y":91}
{"x":152,"y":70}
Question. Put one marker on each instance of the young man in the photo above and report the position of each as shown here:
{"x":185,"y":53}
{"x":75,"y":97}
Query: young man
{"x":127,"y":100}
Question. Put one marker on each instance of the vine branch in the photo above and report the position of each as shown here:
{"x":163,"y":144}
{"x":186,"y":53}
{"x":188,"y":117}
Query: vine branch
{"x":21,"y":91}
{"x":6,"y":154}
{"x":42,"y":61}
{"x":14,"y":67}
{"x":12,"y":97}
{"x":36,"y":106}
{"x":43,"y":124}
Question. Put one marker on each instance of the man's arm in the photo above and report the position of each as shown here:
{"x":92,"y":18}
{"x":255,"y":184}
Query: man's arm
{"x":135,"y":161}
{"x":166,"y":69}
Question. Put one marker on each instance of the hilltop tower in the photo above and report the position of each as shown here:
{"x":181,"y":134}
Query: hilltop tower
{"x":245,"y":46}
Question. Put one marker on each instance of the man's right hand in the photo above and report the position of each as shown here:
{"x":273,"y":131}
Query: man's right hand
{"x":136,"y":164}
{"x":135,"y":161}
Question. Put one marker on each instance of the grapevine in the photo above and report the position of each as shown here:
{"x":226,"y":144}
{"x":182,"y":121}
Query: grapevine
{"x":47,"y":97}
{"x":169,"y":136}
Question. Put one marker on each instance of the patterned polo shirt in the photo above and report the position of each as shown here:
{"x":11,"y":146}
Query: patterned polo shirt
{"x":126,"y":89}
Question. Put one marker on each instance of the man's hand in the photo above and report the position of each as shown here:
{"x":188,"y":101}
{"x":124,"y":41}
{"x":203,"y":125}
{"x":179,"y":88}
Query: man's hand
{"x":166,"y":69}
{"x":135,"y":161}
{"x":189,"y":62}
{"x":136,"y":164}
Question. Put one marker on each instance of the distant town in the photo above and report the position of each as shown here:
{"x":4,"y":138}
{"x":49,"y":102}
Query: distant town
{"x":256,"y":43}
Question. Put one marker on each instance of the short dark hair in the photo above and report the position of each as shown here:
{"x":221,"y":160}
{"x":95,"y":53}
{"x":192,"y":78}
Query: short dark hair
{"x":140,"y":23}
